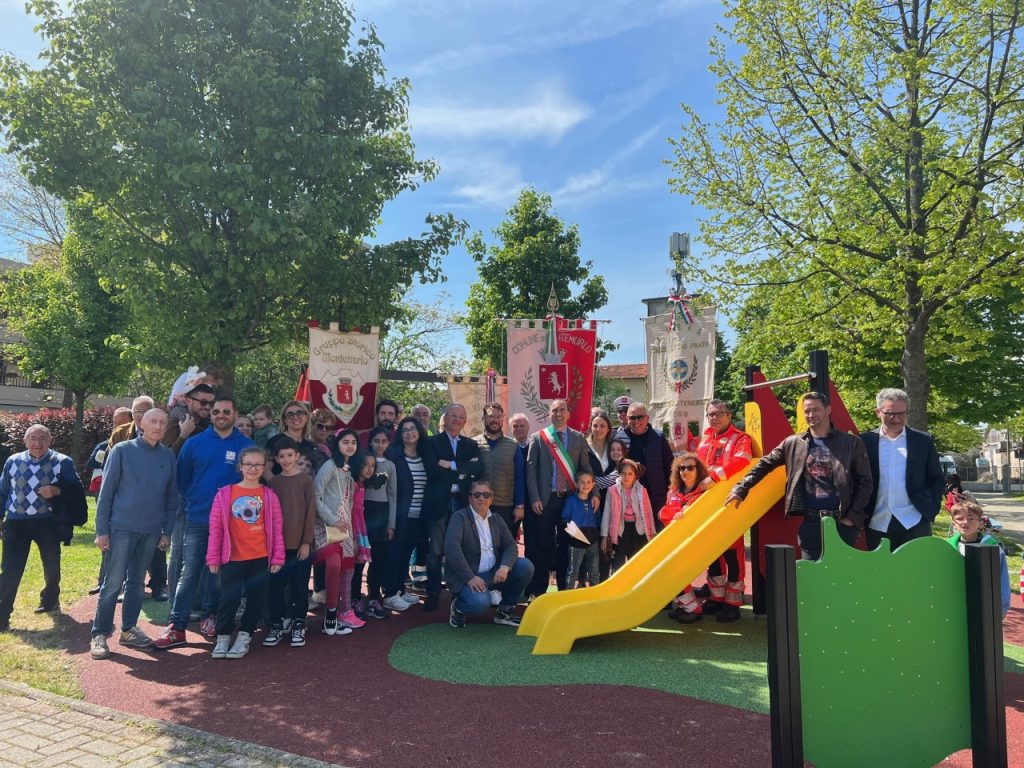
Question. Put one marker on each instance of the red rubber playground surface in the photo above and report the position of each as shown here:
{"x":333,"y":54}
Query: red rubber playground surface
{"x":410,"y":692}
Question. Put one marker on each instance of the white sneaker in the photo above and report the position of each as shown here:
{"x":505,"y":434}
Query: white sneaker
{"x":99,"y":649}
{"x":410,"y":598}
{"x":395,"y":603}
{"x":220,"y":648}
{"x":240,"y":646}
{"x":495,"y":597}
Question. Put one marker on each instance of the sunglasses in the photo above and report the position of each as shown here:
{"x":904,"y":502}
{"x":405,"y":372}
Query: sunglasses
{"x":689,"y":467}
{"x":294,"y":414}
{"x":637,"y":418}
{"x":481,"y":495}
{"x":222,"y":411}
{"x":202,"y":401}
{"x":324,"y":427}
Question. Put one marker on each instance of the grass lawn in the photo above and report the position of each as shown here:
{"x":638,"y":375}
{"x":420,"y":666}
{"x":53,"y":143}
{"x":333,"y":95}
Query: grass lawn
{"x":32,"y":652}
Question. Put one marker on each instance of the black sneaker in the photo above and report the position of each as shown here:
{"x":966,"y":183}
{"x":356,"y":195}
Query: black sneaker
{"x":298,"y":634}
{"x":685,"y":617}
{"x":274,"y":635}
{"x":712,"y":606}
{"x":430,"y":604}
{"x":375,"y":610}
{"x":507,"y":618}
{"x":728,"y":613}
{"x":456,"y":618}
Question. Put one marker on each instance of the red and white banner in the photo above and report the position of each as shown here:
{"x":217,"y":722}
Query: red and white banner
{"x":545,"y":365}
{"x":344,"y":369}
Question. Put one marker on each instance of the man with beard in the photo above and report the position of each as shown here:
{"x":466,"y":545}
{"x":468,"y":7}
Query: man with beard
{"x":504,"y":469}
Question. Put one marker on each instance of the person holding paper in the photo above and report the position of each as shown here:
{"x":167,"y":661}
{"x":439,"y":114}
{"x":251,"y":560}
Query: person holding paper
{"x":583,"y":526}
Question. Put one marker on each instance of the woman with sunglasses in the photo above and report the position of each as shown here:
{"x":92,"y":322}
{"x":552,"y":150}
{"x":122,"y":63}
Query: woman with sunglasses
{"x":323,"y":424}
{"x":686,"y":484}
{"x":296,"y":424}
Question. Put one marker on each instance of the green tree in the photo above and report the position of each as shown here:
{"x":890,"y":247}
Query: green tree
{"x":67,"y":322}
{"x":234,"y":156}
{"x":864,"y":183}
{"x":534,"y":250}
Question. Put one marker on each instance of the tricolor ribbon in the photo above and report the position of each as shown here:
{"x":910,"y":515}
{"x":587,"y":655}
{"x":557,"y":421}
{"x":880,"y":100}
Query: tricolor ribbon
{"x":490,"y":382}
{"x":680,"y":307}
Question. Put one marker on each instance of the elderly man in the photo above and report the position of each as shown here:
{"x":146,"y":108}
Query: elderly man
{"x":908,"y":480}
{"x":31,"y":482}
{"x":132,"y":429}
{"x":648,"y":448}
{"x":504,"y":468}
{"x":452,"y":463}
{"x":555,"y":455}
{"x":827,"y":475}
{"x":421,"y":413}
{"x":134,"y":516}
{"x":483,"y":562}
{"x":520,"y":426}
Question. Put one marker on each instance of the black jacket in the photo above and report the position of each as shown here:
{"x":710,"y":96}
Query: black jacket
{"x":69,"y":509}
{"x":925,"y":481}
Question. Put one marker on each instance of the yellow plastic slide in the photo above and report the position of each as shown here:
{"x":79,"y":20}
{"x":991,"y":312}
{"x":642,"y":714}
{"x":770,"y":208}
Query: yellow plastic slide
{"x":641,"y":588}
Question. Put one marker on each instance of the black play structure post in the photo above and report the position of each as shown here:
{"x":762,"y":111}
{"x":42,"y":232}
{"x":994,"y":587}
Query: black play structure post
{"x":818,"y":367}
{"x":784,"y":659}
{"x":985,"y":651}
{"x":757,"y":584}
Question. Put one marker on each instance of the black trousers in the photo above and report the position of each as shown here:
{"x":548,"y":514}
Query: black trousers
{"x":897,"y":534}
{"x":540,"y":532}
{"x":293,"y":578}
{"x":250,"y":575}
{"x":18,"y":536}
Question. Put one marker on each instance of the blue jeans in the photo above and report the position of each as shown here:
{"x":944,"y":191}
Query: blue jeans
{"x":809,"y":536}
{"x":193,"y":564}
{"x":126,"y":563}
{"x":583,"y":565}
{"x":474,"y":603}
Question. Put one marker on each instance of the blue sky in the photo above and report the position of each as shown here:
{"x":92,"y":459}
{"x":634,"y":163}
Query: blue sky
{"x":574,"y":98}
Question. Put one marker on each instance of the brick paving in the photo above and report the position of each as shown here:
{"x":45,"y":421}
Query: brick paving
{"x":42,"y":729}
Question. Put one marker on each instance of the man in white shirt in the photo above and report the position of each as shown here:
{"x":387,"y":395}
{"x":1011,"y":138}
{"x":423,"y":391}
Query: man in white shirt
{"x":906,"y":472}
{"x":482,"y":558}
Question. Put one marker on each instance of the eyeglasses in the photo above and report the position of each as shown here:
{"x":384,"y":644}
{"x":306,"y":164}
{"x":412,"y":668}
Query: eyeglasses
{"x":716,"y":414}
{"x":324,"y":427}
{"x":410,"y":431}
{"x":253,"y":467}
{"x":894,"y":414}
{"x":294,"y":414}
{"x":481,"y":495}
{"x":637,"y":418}
{"x":621,"y":410}
{"x":222,"y":411}
{"x":689,"y":467}
{"x":203,"y":402}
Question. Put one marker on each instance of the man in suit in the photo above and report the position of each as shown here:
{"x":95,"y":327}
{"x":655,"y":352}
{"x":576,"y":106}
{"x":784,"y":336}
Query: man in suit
{"x":908,"y":477}
{"x":553,"y":458}
{"x":452,"y":463}
{"x":483,"y":562}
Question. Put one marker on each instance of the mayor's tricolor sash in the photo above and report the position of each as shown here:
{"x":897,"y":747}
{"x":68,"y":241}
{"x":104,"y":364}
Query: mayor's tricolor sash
{"x":560,"y":455}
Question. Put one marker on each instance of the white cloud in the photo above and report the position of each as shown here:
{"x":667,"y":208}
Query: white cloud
{"x":605,"y":180}
{"x":547,"y":114}
{"x":485,"y":181}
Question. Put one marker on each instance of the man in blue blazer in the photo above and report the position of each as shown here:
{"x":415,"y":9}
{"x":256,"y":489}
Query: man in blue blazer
{"x":452,"y":462}
{"x":908,"y":477}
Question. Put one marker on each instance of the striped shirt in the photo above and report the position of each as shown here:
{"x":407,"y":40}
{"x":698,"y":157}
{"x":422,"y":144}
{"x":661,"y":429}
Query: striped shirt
{"x":419,"y":482}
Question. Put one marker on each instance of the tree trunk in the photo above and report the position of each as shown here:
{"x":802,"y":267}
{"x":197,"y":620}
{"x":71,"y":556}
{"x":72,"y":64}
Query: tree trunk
{"x":76,"y":431}
{"x":915,"y":373}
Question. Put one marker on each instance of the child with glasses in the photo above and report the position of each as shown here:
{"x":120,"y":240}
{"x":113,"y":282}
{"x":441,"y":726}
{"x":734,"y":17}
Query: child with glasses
{"x":969,"y":527}
{"x":583,"y":555}
{"x":246,"y":544}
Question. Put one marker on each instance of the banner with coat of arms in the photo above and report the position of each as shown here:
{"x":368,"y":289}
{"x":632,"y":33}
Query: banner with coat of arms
{"x":680,"y":370}
{"x":344,"y":369}
{"x":473,"y":392}
{"x":551,"y":361}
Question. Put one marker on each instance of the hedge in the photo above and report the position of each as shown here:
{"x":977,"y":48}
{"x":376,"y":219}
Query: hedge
{"x":96,"y":427}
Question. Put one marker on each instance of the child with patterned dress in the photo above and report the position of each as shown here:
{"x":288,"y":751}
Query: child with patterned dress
{"x":628,"y":520}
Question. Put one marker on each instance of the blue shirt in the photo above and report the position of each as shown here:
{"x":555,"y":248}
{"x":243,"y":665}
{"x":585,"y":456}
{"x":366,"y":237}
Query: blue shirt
{"x":206,"y":464}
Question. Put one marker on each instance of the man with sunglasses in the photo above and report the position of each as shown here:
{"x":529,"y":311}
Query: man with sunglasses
{"x":725,"y":450}
{"x":908,"y":477}
{"x":483,"y":562}
{"x":648,"y":448}
{"x":207,"y":462}
{"x":199,"y":401}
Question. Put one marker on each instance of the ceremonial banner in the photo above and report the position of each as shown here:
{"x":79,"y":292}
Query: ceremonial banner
{"x":472,"y":392}
{"x":680,"y":371}
{"x":343,"y":372}
{"x":549,"y":361}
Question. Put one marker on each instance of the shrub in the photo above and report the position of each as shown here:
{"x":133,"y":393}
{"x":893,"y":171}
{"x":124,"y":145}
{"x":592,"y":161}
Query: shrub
{"x":96,"y":427}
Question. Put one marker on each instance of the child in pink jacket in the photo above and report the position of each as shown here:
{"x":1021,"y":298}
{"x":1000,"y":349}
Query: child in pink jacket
{"x":246,"y":544}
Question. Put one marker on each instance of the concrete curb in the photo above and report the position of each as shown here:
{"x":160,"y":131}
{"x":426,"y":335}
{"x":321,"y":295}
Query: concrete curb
{"x":255,"y":752}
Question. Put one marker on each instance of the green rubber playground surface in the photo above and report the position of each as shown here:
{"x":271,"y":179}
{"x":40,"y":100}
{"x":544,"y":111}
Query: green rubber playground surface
{"x":720,"y":663}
